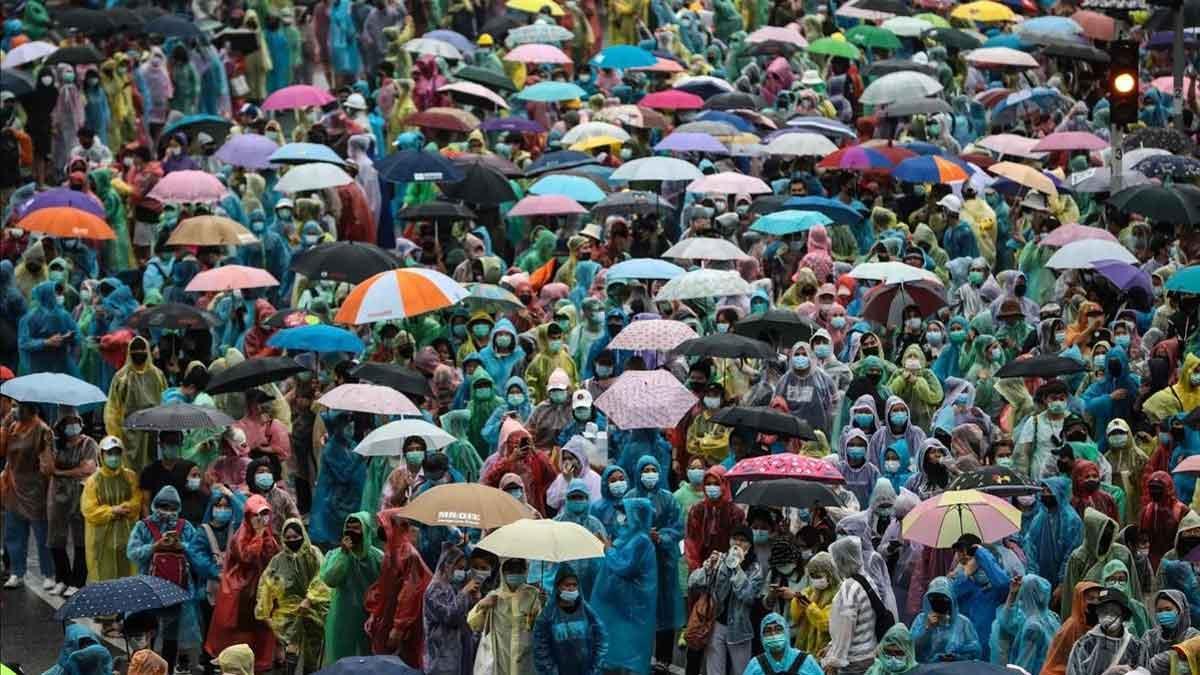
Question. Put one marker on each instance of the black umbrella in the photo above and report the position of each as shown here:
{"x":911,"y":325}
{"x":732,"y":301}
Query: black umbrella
{"x":954,"y":38}
{"x":127,"y":20}
{"x":499,"y":26}
{"x":631,"y":201}
{"x":241,"y":40}
{"x":726,"y":345}
{"x":404,"y":380}
{"x":1159,"y":137}
{"x":407,"y":166}
{"x":121,"y":596}
{"x":369,"y":665}
{"x":252,"y":373}
{"x":494,"y":161}
{"x":75,"y":56}
{"x":1046,"y":365}
{"x":1178,"y":203}
{"x":778,"y":327}
{"x":17,"y":83}
{"x":437,"y":211}
{"x":889,"y":66}
{"x":177,"y":417}
{"x":1075,"y":51}
{"x":896,"y":7}
{"x":86,"y":21}
{"x":1163,"y":18}
{"x":731,"y":100}
{"x":764,"y":420}
{"x":291,"y":318}
{"x":785,"y":492}
{"x":172,"y":315}
{"x":482,"y":185}
{"x":486,"y":77}
{"x":558,"y":160}
{"x":963,"y":668}
{"x":348,"y":261}
{"x":997,"y":480}
{"x":172,"y":26}
{"x":768,"y":204}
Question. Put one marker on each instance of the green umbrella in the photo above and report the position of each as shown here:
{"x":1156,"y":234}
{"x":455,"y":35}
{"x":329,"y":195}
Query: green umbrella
{"x":835,"y":47}
{"x":936,"y":20}
{"x":873,"y":37}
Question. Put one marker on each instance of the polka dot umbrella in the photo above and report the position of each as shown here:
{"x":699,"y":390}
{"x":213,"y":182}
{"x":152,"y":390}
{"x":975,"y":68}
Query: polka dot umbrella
{"x":121,"y":596}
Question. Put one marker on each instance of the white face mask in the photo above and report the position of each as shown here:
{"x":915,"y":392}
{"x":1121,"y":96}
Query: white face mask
{"x":891,"y":465}
{"x":820,"y":583}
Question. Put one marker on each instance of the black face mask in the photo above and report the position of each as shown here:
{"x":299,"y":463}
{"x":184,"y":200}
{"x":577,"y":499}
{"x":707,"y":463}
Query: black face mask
{"x":1091,"y":485}
{"x":1186,"y":544}
{"x":1050,"y":501}
{"x":1177,"y":434}
{"x":293,"y":544}
{"x":355,"y":537}
{"x":406,"y":352}
{"x":613,"y":329}
{"x":1157,"y":491}
{"x":1019,"y":291}
{"x":138,"y":358}
{"x":940,"y":604}
{"x":1114,"y":368}
{"x":584,"y":257}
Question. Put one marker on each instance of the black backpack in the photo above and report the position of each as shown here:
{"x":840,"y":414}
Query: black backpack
{"x":794,"y":669}
{"x":883,"y":616}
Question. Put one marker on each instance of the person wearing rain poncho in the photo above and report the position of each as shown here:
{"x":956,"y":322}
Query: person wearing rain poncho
{"x":614,"y":483}
{"x":77,"y":638}
{"x":1109,"y":643}
{"x":851,"y":617}
{"x":450,"y":595}
{"x":939,"y":632}
{"x":860,"y":474}
{"x":111,"y":505}
{"x":138,"y":385}
{"x":1099,"y":546}
{"x":874,"y":566}
{"x":666,"y":531}
{"x":340,"y":480}
{"x":625,"y":594}
{"x":1055,"y":532}
{"x":917,"y":386}
{"x":118,"y":256}
{"x":1183,"y":397}
{"x":979,"y":585}
{"x":568,"y":636}
{"x":393,"y":602}
{"x":349,"y":571}
{"x":293,"y":601}
{"x":516,"y":401}
{"x":1116,"y":575}
{"x":576,"y":509}
{"x":1172,"y":628}
{"x":506,"y":617}
{"x":807,"y":390}
{"x":550,"y":358}
{"x":502,"y":354}
{"x":47,"y":336}
{"x":895,"y":424}
{"x":778,"y":656}
{"x":1024,"y":626}
{"x":811,"y":607}
{"x":895,"y":654}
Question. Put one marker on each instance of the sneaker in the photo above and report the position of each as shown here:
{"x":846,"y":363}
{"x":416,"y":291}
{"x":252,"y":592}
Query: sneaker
{"x":69,"y":591}
{"x":48,"y":585}
{"x":14,"y":581}
{"x":58,"y":588}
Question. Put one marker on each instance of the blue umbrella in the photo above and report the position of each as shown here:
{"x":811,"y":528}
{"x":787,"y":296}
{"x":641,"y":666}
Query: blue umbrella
{"x":121,"y":596}
{"x":549,"y":92}
{"x":576,"y":187}
{"x":461,"y":42}
{"x":409,"y":166}
{"x":789,"y":221}
{"x":1056,"y":27}
{"x":369,"y":665}
{"x":739,"y":122}
{"x":64,"y":197}
{"x":1186,"y":280}
{"x":600,"y":171}
{"x":922,"y":148}
{"x":1010,"y":40}
{"x":561,"y":159}
{"x":645,"y":268}
{"x":840,"y":213}
{"x":317,"y":338}
{"x":1042,"y":97}
{"x":53,"y":388}
{"x":303,"y":153}
{"x":823,"y":126}
{"x":623,"y":57}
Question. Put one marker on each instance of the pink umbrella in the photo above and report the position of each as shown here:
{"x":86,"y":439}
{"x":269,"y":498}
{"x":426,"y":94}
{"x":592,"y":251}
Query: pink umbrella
{"x":1189,"y":465}
{"x":1167,"y":84}
{"x":229,"y":278}
{"x":777,"y":34}
{"x":476,"y":90}
{"x":1095,"y":25}
{"x":537,"y":53}
{"x":369,"y":398}
{"x":657,"y":334}
{"x":1070,"y":140}
{"x":188,"y":186}
{"x":1010,"y":144}
{"x":297,"y":96}
{"x":646,"y":399}
{"x":546,"y":205}
{"x":672,"y":99}
{"x":663,"y":66}
{"x":785,"y":465}
{"x":729,"y":182}
{"x":1002,"y":57}
{"x":940,"y":521}
{"x":1071,"y":232}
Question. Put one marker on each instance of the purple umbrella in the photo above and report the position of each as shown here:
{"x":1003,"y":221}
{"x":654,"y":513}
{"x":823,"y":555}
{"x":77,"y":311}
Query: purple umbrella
{"x":691,"y":142}
{"x":249,"y":151}
{"x":64,"y":197}
{"x":518,"y":125}
{"x":1124,"y":276}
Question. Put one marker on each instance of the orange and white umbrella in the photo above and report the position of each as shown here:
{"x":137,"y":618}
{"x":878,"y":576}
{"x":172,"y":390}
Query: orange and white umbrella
{"x":399,"y":294}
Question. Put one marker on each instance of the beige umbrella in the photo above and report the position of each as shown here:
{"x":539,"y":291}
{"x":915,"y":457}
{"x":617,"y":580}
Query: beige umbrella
{"x":1026,"y":176}
{"x":465,"y":505}
{"x":549,"y":540}
{"x":210,"y":231}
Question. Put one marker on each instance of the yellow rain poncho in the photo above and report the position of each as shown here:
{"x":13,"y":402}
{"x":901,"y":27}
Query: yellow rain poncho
{"x":134,"y":387}
{"x":293,"y":600}
{"x":1181,"y":397}
{"x":508,"y":625}
{"x":106,"y":534}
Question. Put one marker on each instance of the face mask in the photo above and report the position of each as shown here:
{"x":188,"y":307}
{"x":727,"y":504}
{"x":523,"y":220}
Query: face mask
{"x":976,"y":278}
{"x":1118,"y":440}
{"x":264,"y":481}
{"x":913,"y":324}
{"x":857,"y":455}
{"x":912,"y":364}
{"x":958,"y":336}
{"x":72,"y":430}
{"x":760,"y":536}
{"x":1109,"y":622}
{"x":650,"y":480}
{"x":577,"y":506}
{"x":710,"y":491}
{"x":820,"y":583}
{"x":863,"y":420}
{"x":568,"y":596}
{"x":47,"y":80}
{"x":1099,"y":360}
{"x":555,"y":346}
{"x":169,"y":452}
{"x":483,"y":394}
{"x":1167,"y":619}
{"x":558,"y":396}
{"x":516,"y":399}
{"x":695,"y":476}
{"x":1091,"y":485}
{"x":222,"y":516}
{"x":482,"y":575}
{"x":112,"y":461}
{"x":838,"y":322}
{"x":138,"y":358}
{"x":603,"y":371}
{"x":518,"y":495}
{"x":193,"y":484}
{"x":618,"y":488}
{"x":1004,"y":461}
{"x":1060,"y":337}
{"x":786,"y":570}
{"x":898,"y":419}
{"x":934,"y":339}
{"x":800,"y":362}
{"x":712,"y":402}
{"x":823,"y":351}
{"x":1121,"y":340}
{"x":284,"y":214}
{"x":891,"y":465}
{"x":514,"y":580}
{"x":775,"y":643}
{"x":165,"y":516}
{"x":504,"y":341}
{"x":457,"y":576}
{"x":481,"y":330}
{"x":293,"y":545}
{"x":582,"y":414}
{"x":57,"y":275}
{"x":1164,"y":437}
{"x":1194,"y":378}
{"x":893,"y":664}
{"x":414,"y":457}
{"x":596,"y":317}
{"x":997,"y":354}
{"x":1058,"y":407}
{"x":962,"y":400}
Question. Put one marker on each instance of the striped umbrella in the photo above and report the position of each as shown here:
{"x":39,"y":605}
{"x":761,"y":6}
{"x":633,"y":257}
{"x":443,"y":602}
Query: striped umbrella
{"x":940,"y":521}
{"x":399,"y":294}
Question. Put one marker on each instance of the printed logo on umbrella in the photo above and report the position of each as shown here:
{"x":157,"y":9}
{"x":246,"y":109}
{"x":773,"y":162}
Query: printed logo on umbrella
{"x":461,"y":517}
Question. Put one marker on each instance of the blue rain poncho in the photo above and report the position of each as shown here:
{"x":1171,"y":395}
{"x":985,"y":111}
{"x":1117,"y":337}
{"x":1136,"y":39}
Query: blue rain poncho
{"x":491,"y":429}
{"x":605,"y":509}
{"x":77,"y":638}
{"x":586,"y":569}
{"x":887,"y":433}
{"x":1100,"y":404}
{"x":1179,"y":575}
{"x":982,"y":592}
{"x":501,"y":367}
{"x":626,"y":590}
{"x":1052,"y":534}
{"x":568,"y":641}
{"x":343,"y":39}
{"x":669,"y":522}
{"x":340,"y":481}
{"x":601,"y":343}
{"x":952,"y":638}
{"x":44,"y":319}
{"x":1022,"y":632}
{"x":945,"y":365}
{"x":635,"y":444}
{"x":271,"y":253}
{"x":787,"y":660}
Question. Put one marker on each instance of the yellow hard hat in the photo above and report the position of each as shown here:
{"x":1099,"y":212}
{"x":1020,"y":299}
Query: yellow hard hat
{"x":485,"y":40}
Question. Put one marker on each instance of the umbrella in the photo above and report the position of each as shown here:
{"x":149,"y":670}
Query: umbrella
{"x":433,"y":47}
{"x":656,"y":168}
{"x":535,"y":53}
{"x":918,"y":106}
{"x":15,"y":82}
{"x":28,"y":53}
{"x":691,"y":142}
{"x":888,"y":66}
{"x":1177,"y":203}
{"x":85,"y":21}
{"x":703,"y":86}
{"x":436,"y":210}
{"x":855,"y":158}
{"x":444,"y":119}
{"x":1043,"y":98}
{"x":920,"y":147}
{"x":1090,"y":181}
{"x":1071,"y":232}
{"x":172,"y":26}
{"x":249,"y":151}
{"x":732,"y":100}
{"x":388,"y":440}
{"x":801,"y":145}
{"x":127,"y":595}
{"x":789,"y":221}
{"x":840,"y":213}
{"x":930,"y":169}
{"x":474,"y":94}
{"x":996,"y":58}
{"x":1010,"y":144}
{"x":460,"y":42}
{"x":892,"y":273}
{"x":1025,"y":175}
{"x":546,"y":205}
{"x":728,"y":345}
{"x":313,"y":177}
{"x":290,"y":318}
{"x":491,"y":298}
{"x":1070,"y":140}
{"x":188,"y":186}
{"x":1083,"y":254}
{"x":645,"y":268}
{"x":1124,"y":276}
{"x":252,"y":373}
{"x":171,"y":316}
{"x":576,"y":188}
{"x":940,"y":521}
{"x":788,"y":492}
{"x":535,"y":6}
{"x":75,"y":56}
{"x":654,"y":334}
{"x":538,"y":32}
{"x":177,"y":417}
{"x":401,"y":379}
{"x":486,"y":77}
{"x":305,"y":153}
{"x":735,"y":120}
{"x":369,"y":665}
{"x":672,"y":99}
{"x":550,"y":92}
{"x":553,"y":541}
{"x":632,"y":202}
{"x":852,"y":10}
{"x":52,"y":388}
{"x":557,"y":161}
{"x":1095,"y":25}
{"x":623,"y":57}
{"x":703,"y":283}
{"x":482,"y":185}
{"x":995,"y":480}
{"x":823,"y":126}
{"x":1075,"y":51}
{"x":764,"y":420}
{"x":779,"y":327}
{"x":470,"y":505}
{"x":1186,"y":280}
{"x":64,"y":221}
{"x":954,"y":38}
{"x":729,"y":182}
{"x":984,"y":11}
{"x":414,"y":166}
{"x":705,"y":248}
{"x":907,"y":26}
{"x":210,"y":231}
{"x":835,"y":46}
{"x":399,"y":294}
{"x":518,"y":125}
{"x":661,"y":65}
{"x":776,"y":39}
{"x":317,"y":338}
{"x":347,"y":261}
{"x":637,"y":116}
{"x":786,"y":465}
{"x":646,"y":399}
{"x":368,"y":398}
{"x":593,"y":130}
{"x":901,"y":86}
{"x":710,"y":127}
{"x":886,"y":303}
{"x":1178,"y":167}
{"x":873,"y":37}
{"x":229,"y":278}
{"x":1045,"y":365}
{"x":215,"y":126}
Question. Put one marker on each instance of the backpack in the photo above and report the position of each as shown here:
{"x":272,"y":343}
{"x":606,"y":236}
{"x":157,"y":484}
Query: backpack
{"x":701,"y":618}
{"x":169,"y":565}
{"x":793,"y":669}
{"x":883,"y":617}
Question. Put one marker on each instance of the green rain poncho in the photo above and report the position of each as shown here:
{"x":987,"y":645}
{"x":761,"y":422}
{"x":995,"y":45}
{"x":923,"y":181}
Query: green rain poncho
{"x":539,"y":251}
{"x":117,"y":252}
{"x":896,"y":637}
{"x":479,"y":411}
{"x":1098,"y":548}
{"x":289,"y":580}
{"x":1139,"y":623}
{"x":463,"y":456}
{"x":349,"y":576}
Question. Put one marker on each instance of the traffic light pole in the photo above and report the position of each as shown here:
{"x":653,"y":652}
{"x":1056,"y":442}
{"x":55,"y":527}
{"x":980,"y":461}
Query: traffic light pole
{"x":1177,"y":66}
{"x":1117,"y":140}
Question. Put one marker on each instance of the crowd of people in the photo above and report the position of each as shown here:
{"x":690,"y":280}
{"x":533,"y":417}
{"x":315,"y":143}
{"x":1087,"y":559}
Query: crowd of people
{"x":294,"y":550}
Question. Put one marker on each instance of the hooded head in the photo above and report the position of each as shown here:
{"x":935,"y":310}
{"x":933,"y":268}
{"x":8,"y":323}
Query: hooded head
{"x":939,"y":597}
{"x":639,"y":515}
{"x":847,"y":556}
{"x":236,"y":660}
{"x":1183,"y":622}
{"x":1099,"y":532}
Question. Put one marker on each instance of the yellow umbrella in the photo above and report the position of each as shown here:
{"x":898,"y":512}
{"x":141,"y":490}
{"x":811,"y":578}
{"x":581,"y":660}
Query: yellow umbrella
{"x":984,"y":11}
{"x":1026,"y":176}
{"x":535,"y":6}
{"x":595,"y":142}
{"x":549,"y":540}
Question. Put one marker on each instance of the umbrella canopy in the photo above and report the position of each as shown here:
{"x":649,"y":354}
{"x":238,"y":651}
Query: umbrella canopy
{"x":1065,"y":234}
{"x":435,"y":210}
{"x":631,"y":202}
{"x":892,"y":273}
{"x":546,"y":205}
{"x":16,"y":82}
{"x":789,"y":221}
{"x":940,"y":521}
{"x":1149,"y":137}
{"x":801,"y":145}
{"x":178,"y":417}
{"x":705,"y":248}
{"x":1010,"y":144}
{"x":786,"y":465}
{"x":823,"y":126}
{"x":347,"y":261}
{"x":996,"y":58}
{"x":887,"y":66}
{"x":1090,"y":181}
{"x":856,"y":158}
{"x":728,"y":345}
{"x":188,"y":186}
{"x":703,"y":283}
{"x":52,"y":388}
{"x":127,"y":595}
{"x":703,"y":86}
{"x":313,"y":177}
{"x":65,"y":221}
{"x":637,"y":116}
{"x":369,"y":665}
{"x":319,"y":338}
{"x":873,"y":37}
{"x":75,"y":56}
{"x":461,"y":42}
{"x":779,"y":327}
{"x":995,"y":480}
{"x":210,"y":231}
{"x":624,"y":57}
{"x":388,"y":440}
{"x":296,"y":97}
{"x":1084,"y":254}
{"x":436,"y":48}
{"x":229,"y":278}
{"x":782,"y":40}
{"x":172,"y":26}
{"x":901,"y":86}
{"x":538,"y":32}
{"x":368,"y":398}
{"x":252,"y":373}
{"x":482,"y":185}
{"x":1095,"y":25}
{"x":172,"y":316}
{"x":691,"y":142}
{"x":835,"y":46}
{"x":1170,"y":204}
{"x":886,"y":303}
{"x":444,"y":119}
{"x":415,"y":166}
{"x":248,"y":151}
{"x":1186,"y":280}
{"x":474,"y":93}
{"x":729,"y":182}
{"x":28,"y":53}
{"x":838,"y":212}
{"x":575,"y":188}
{"x":536,"y":53}
{"x":485,"y":76}
{"x":646,"y":399}
{"x":787,"y":492}
{"x":655,"y":334}
{"x":549,"y":540}
{"x":918,"y":106}
{"x":557,"y":161}
{"x":1178,"y":167}
{"x":1037,"y":98}
{"x":1044,"y":365}
{"x":214,"y":125}
{"x":593,"y":130}
{"x":399,"y":294}
{"x":930,"y":169}
{"x":470,"y":505}
{"x":732,"y":100}
{"x":908,"y":26}
{"x":550,"y":91}
{"x":1070,"y":140}
{"x":764,"y":420}
{"x":519,"y":125}
{"x":1024,"y":175}
{"x":401,"y":379}
{"x":305,"y":153}
{"x":984,"y":11}
{"x":1124,"y":276}
{"x":645,"y":268}
{"x":491,"y":298}
{"x":672,"y":99}
{"x":656,"y":168}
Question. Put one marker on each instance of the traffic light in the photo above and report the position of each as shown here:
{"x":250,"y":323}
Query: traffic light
{"x":1123,"y":93}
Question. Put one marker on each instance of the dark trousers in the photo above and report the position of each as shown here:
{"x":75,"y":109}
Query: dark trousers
{"x":68,"y":572}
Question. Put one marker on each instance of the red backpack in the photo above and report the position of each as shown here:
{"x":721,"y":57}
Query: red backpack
{"x":169,"y":565}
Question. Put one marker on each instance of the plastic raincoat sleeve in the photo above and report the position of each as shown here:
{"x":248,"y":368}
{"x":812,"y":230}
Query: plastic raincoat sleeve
{"x":961,"y":643}
{"x":97,"y":514}
{"x":814,"y":615}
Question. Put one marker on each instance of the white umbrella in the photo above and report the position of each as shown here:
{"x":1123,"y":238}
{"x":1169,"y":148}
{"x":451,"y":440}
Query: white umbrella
{"x":1001,"y":56}
{"x":703,"y":81}
{"x":1082,"y":255}
{"x":656,"y":168}
{"x":903,"y":86}
{"x":801,"y":145}
{"x":1131,"y":158}
{"x":906,"y":26}
{"x":705,"y":248}
{"x":583,"y":132}
{"x":892,"y":273}
{"x":388,"y":440}
{"x":311,"y":177}
{"x":28,"y":53}
{"x":433,"y":47}
{"x":368,"y":398}
{"x":553,"y":541}
{"x":730,"y":183}
{"x":703,"y":284}
{"x":476,"y":90}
